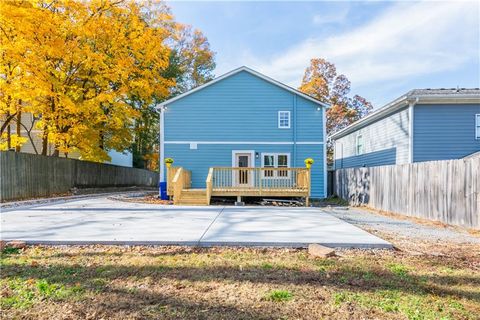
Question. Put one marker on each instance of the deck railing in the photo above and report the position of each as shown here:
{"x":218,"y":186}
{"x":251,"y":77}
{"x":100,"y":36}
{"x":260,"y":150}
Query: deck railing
{"x":181,"y":180}
{"x":262,"y":181}
{"x":170,"y":175}
{"x":171,"y":172}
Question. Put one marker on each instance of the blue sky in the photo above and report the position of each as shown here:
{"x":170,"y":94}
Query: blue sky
{"x":384,"y":48}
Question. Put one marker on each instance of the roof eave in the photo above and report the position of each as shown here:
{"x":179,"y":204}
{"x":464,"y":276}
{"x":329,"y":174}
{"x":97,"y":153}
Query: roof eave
{"x":243,"y":68}
{"x":400,"y":103}
{"x":389,"y":108}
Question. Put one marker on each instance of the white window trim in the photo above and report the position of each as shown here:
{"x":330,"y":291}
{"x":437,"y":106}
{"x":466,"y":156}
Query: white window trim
{"x":477,"y":126}
{"x":357,"y":152}
{"x":275,"y":163}
{"x":289,"y":119}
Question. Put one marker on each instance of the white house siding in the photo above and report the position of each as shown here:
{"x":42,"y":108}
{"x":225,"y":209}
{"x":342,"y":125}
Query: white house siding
{"x":386,"y":141}
{"x":118,"y":158}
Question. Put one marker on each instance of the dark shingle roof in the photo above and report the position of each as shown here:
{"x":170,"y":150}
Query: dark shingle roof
{"x":444,"y":91}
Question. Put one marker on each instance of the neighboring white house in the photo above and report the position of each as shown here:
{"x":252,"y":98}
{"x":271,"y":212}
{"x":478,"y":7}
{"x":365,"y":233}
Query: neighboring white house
{"x":124,"y":159}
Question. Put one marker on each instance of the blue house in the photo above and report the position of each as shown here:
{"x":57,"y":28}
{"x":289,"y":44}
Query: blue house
{"x":422,"y":125}
{"x":243,"y":119}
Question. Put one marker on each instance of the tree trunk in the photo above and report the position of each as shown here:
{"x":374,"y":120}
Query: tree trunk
{"x":5,"y":124}
{"x":45,"y":141}
{"x":9,"y":138}
{"x":45,"y":128}
{"x":19,"y":124}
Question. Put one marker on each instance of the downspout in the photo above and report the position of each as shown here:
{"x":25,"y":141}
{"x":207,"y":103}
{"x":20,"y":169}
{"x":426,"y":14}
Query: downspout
{"x":325,"y":172}
{"x":294,"y":130}
{"x":334,"y":164}
{"x":161,"y":132}
{"x":411,"y":104}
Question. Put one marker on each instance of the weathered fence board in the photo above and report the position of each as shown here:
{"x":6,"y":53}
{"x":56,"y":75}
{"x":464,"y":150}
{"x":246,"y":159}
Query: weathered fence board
{"x":26,"y":175}
{"x":446,"y":191}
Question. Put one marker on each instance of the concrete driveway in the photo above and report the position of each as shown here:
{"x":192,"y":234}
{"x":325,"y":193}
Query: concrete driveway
{"x":105,"y":221}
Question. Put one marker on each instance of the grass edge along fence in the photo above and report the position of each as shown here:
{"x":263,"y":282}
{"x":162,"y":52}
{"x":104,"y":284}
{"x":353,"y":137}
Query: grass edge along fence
{"x":446,"y":191}
{"x":26,"y":175}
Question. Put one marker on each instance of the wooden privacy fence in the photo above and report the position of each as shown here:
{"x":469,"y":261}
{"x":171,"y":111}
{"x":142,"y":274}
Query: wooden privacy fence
{"x":26,"y":175}
{"x":446,"y":191}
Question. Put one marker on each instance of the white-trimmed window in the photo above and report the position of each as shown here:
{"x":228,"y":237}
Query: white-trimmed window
{"x":359,"y":147}
{"x":268,"y":161}
{"x":275,"y":160}
{"x":282,"y":162}
{"x":477,"y":126}
{"x":283,"y":119}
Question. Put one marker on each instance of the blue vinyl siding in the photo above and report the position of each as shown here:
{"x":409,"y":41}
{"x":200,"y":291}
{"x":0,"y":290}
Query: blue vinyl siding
{"x":309,"y":121}
{"x":317,"y":170}
{"x":386,"y":141}
{"x":199,"y":160}
{"x":444,"y":132}
{"x":371,"y":159}
{"x":243,"y":108}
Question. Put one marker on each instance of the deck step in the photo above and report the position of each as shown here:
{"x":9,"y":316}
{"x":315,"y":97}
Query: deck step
{"x":193,"y":197}
{"x":194,"y":191}
{"x":192,"y":203}
{"x":200,"y":202}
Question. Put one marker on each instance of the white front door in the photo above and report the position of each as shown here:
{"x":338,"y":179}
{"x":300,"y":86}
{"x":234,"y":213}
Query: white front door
{"x":243,"y":178}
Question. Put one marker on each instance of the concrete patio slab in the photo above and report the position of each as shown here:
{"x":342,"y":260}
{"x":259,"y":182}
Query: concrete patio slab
{"x":104,"y":221}
{"x":107,"y":221}
{"x":289,"y":227}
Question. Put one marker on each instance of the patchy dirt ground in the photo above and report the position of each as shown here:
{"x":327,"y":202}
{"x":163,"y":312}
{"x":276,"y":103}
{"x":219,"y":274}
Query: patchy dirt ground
{"x":108,"y":282}
{"x":151,"y":198}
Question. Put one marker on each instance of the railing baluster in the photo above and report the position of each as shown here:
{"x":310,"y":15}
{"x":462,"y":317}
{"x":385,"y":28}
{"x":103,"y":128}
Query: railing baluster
{"x":260,"y":181}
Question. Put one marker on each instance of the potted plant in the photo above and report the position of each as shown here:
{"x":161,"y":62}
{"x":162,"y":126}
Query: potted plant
{"x":169,"y":162}
{"x":308,"y":162}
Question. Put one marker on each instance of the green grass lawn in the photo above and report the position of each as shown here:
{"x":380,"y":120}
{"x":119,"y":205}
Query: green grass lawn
{"x":234,"y":283}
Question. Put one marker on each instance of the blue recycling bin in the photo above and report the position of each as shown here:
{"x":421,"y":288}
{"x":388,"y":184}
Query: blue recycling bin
{"x":163,"y":191}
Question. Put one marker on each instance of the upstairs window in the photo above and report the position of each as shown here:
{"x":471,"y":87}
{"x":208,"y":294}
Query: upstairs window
{"x":477,"y":126}
{"x":284,"y":119}
{"x":359,"y":147}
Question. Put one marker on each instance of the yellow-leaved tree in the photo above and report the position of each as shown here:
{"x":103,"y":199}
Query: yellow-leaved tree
{"x":75,"y":65}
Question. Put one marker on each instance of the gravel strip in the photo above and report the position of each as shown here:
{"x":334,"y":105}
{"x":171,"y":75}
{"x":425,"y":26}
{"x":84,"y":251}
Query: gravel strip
{"x":404,"y":228}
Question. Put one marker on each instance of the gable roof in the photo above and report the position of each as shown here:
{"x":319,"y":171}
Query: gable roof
{"x":415,"y":96}
{"x":251,"y":71}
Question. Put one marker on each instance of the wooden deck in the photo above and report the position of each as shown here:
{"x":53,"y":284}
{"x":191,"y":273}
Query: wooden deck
{"x":228,"y":181}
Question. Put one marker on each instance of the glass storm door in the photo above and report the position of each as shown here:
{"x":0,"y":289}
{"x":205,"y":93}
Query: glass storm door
{"x":243,"y":177}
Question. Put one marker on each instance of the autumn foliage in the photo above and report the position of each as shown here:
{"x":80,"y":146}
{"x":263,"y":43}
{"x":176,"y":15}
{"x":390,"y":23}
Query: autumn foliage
{"x":322,"y":82}
{"x":86,"y":71}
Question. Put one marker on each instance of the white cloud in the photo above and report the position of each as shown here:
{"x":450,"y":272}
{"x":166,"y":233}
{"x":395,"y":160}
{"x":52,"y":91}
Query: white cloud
{"x":407,"y":39}
{"x":332,"y":17}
